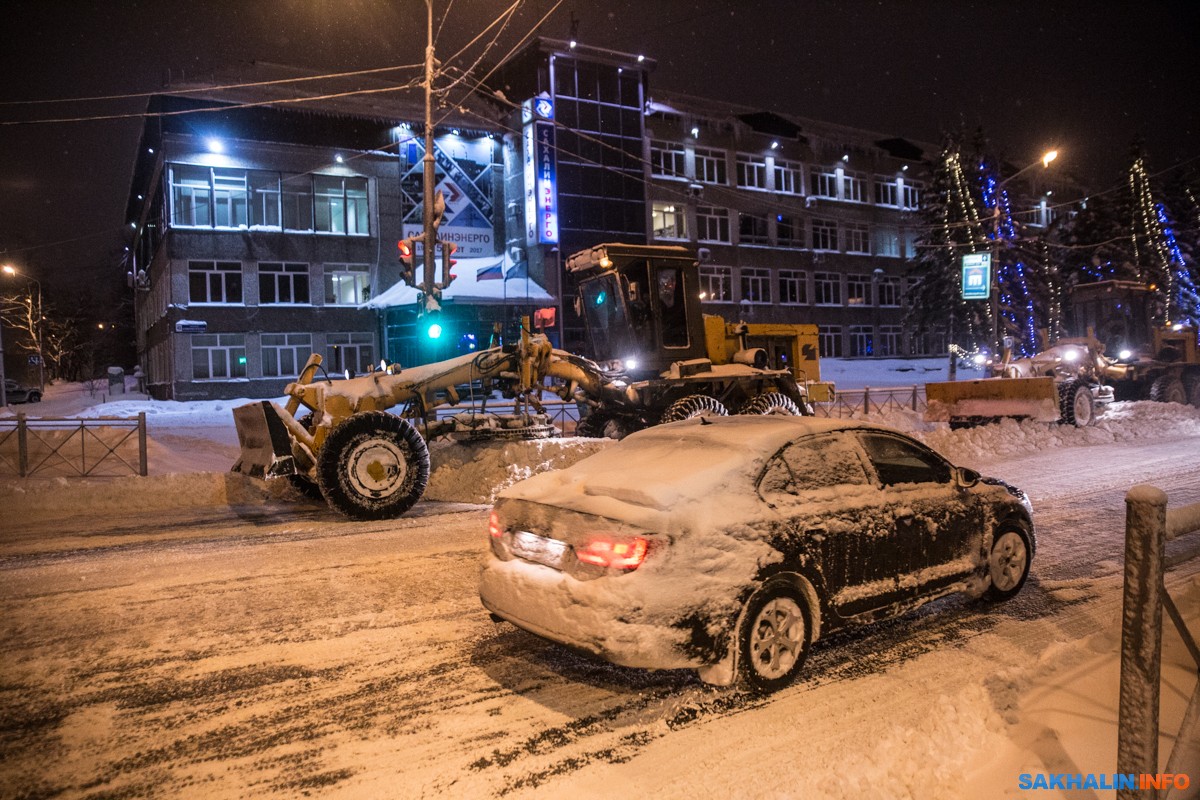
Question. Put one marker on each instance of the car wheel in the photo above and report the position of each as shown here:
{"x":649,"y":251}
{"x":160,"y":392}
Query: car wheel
{"x":374,"y":465}
{"x":1076,"y":404}
{"x":774,"y":637}
{"x":35,"y":397}
{"x":694,"y":405}
{"x":1008,"y":564}
{"x":771,"y":403}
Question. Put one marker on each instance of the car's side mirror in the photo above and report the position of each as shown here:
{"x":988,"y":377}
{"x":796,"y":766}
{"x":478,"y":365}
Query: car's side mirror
{"x":967,"y":477}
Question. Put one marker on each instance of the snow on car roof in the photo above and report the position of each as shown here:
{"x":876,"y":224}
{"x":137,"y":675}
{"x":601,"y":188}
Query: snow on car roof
{"x":666,"y":465}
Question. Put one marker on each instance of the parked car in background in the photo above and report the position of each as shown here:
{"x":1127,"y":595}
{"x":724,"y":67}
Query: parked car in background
{"x":731,"y":544}
{"x":16,"y":393}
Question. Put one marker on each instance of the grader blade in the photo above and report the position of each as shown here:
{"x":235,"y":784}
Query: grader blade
{"x":990,"y":398}
{"x":265,"y":441}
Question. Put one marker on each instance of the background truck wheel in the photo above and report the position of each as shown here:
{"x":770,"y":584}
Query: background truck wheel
{"x":603,"y":425}
{"x":373,"y":466}
{"x":1192,"y":384}
{"x":1075,"y":403}
{"x":694,"y":405}
{"x":1167,"y":389}
{"x":771,"y":403}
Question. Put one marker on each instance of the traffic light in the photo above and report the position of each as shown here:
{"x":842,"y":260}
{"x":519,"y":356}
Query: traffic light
{"x":408,"y":257}
{"x":433,"y":326}
{"x":448,"y":262}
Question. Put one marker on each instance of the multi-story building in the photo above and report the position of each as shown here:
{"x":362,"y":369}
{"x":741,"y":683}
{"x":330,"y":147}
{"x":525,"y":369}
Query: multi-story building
{"x":262,"y":234}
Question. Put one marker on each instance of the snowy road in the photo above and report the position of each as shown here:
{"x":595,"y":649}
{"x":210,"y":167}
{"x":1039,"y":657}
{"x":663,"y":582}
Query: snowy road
{"x":273,"y":651}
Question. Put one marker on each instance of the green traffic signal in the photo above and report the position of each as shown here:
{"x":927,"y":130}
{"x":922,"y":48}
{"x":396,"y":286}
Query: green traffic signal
{"x":434,"y":331}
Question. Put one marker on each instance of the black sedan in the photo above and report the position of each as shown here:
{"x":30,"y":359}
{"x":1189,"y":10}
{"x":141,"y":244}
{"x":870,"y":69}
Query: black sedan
{"x":729,"y":545}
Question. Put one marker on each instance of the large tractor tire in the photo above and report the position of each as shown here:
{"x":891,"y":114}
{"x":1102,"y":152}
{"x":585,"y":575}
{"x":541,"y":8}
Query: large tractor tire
{"x":374,"y":465}
{"x":1192,"y":384}
{"x":1168,"y":389}
{"x":604,"y":425}
{"x":771,"y":403}
{"x":694,"y":405}
{"x":1075,"y":404}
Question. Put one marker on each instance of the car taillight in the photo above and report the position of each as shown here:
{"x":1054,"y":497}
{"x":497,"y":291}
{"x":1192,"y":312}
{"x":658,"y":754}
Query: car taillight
{"x":495,"y":529}
{"x":613,"y":552}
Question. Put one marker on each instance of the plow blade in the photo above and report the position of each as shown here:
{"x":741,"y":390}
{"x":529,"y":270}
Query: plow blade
{"x":988,"y":398}
{"x":265,"y":441}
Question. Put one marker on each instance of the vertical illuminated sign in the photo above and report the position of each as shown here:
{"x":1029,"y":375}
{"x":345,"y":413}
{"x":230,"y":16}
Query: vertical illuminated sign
{"x":976,"y":276}
{"x":541,"y":190}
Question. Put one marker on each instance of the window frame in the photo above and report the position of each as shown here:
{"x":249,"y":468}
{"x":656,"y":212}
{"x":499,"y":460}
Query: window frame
{"x":755,"y":278}
{"x":797,"y":278}
{"x":280,"y":273}
{"x":232,"y":281}
{"x":719,"y":276}
{"x":823,"y":280}
{"x":232,"y":346}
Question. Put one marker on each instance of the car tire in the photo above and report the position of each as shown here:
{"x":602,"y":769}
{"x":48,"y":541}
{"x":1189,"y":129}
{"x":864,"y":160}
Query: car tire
{"x":694,"y":405}
{"x":374,"y":465}
{"x":1008,"y":564}
{"x":1168,"y":389}
{"x":603,"y":425}
{"x":774,"y":637}
{"x":1075,"y":404}
{"x":769,"y":403}
{"x":34,"y":397}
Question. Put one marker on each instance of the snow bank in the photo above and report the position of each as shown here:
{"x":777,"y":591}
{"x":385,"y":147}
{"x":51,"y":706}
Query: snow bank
{"x":476,"y":473}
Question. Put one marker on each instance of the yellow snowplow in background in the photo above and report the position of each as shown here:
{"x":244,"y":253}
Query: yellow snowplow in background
{"x":1063,"y":383}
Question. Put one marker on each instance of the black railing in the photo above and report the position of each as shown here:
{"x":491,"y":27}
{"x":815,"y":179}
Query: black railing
{"x":71,"y":447}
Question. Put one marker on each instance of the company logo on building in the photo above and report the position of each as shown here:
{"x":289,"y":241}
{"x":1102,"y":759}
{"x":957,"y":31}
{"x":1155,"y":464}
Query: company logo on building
{"x":541,"y":189}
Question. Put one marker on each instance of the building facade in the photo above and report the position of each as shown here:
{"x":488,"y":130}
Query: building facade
{"x":262,"y":234}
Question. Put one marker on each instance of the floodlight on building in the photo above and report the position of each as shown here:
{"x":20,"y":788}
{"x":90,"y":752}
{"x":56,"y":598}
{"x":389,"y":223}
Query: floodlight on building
{"x":774,"y":145}
{"x":695,"y":132}
{"x":572,"y":44}
{"x":215,"y":146}
{"x":150,"y":150}
{"x":455,"y":131}
{"x":904,"y":168}
{"x":641,"y":58}
{"x":338,"y":158}
{"x":845,"y":158}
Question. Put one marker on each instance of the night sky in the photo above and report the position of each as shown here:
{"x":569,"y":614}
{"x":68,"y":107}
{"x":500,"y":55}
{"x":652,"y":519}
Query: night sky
{"x":1087,"y":77}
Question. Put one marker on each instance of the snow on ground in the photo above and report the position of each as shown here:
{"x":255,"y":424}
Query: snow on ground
{"x":1056,"y":714}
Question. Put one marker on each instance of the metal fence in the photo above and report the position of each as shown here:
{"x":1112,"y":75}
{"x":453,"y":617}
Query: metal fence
{"x":1148,"y":527}
{"x":71,"y":447}
{"x":868,"y":401}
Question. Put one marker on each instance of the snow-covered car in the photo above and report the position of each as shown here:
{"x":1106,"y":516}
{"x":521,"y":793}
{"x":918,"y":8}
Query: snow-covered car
{"x":16,"y":393}
{"x":731,"y":544}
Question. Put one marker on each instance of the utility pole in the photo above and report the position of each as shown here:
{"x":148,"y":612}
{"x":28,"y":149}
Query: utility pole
{"x":427,"y":222}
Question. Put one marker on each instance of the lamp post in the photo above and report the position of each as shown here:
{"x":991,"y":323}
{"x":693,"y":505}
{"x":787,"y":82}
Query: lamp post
{"x":11,"y":270}
{"x":994,"y":295}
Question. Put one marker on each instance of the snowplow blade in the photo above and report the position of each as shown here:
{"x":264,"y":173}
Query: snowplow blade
{"x":988,"y":398}
{"x":265,"y":441}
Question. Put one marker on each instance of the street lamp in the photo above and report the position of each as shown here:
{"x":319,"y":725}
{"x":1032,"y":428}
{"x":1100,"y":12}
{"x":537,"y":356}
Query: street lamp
{"x":994,"y":295}
{"x":11,"y":270}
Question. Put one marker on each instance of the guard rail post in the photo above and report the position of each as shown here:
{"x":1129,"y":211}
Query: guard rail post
{"x":1141,"y":635}
{"x":142,"y":463}
{"x":22,"y":446}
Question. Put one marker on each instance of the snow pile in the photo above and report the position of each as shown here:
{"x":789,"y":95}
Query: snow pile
{"x":477,"y":472}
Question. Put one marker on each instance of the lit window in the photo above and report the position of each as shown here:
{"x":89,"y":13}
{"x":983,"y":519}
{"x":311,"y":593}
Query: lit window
{"x":858,"y":290}
{"x":669,"y":221}
{"x":346,"y":284}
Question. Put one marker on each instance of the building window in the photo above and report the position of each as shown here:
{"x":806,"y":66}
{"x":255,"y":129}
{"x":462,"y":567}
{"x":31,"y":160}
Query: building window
{"x":751,"y":171}
{"x":716,"y":284}
{"x":792,"y":287}
{"x":191,"y":196}
{"x":710,"y":166}
{"x":712,"y":224}
{"x":669,"y":221}
{"x":886,"y":192}
{"x":887,"y":342}
{"x":756,"y":285}
{"x":854,"y":187}
{"x":887,"y":241}
{"x":858,"y":290}
{"x":910,"y":244}
{"x":752,"y":229}
{"x":829,"y":341}
{"x":889,"y":292}
{"x":231,"y":198}
{"x":789,"y":231}
{"x":825,"y":184}
{"x":341,"y":204}
{"x":282,"y":284}
{"x":861,"y":341}
{"x":788,"y":177}
{"x":218,"y":356}
{"x":214,"y":282}
{"x":827,"y":288}
{"x":284,"y":354}
{"x":346,"y":284}
{"x":297,"y":197}
{"x":910,"y":194}
{"x":824,"y":234}
{"x":353,"y":352}
{"x":264,"y":200}
{"x":858,"y":239}
{"x":667,"y":160}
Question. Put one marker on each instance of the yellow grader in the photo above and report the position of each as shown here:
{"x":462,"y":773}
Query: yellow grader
{"x":361,"y":443}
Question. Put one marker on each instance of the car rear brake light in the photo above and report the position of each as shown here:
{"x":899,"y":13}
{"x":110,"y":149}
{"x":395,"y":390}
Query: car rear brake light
{"x":612,"y":552}
{"x":495,"y":529}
